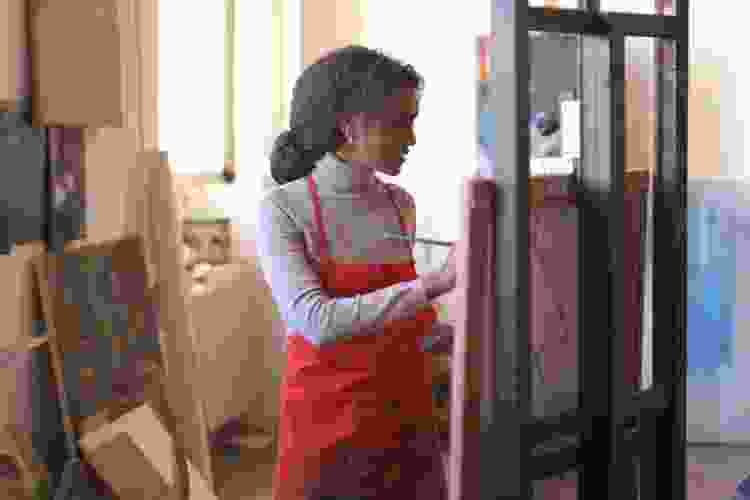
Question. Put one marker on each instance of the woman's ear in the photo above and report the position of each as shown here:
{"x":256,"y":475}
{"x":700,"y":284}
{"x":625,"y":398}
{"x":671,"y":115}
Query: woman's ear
{"x":353,"y":128}
{"x":348,"y":132}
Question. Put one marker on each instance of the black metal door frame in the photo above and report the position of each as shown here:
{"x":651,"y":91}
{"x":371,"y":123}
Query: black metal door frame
{"x":613,"y":426}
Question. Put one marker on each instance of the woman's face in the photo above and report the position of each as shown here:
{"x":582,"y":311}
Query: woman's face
{"x":383,"y":143}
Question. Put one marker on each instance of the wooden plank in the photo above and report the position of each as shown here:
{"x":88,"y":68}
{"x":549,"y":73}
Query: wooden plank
{"x":12,"y":44}
{"x":21,"y":306}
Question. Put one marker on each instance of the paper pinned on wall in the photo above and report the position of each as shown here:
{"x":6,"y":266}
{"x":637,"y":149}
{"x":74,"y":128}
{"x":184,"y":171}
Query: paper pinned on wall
{"x":570,"y":121}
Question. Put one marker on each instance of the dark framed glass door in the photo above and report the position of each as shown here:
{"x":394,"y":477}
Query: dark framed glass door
{"x":617,"y":430}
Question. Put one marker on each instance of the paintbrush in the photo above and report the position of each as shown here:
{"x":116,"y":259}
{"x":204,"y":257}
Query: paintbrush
{"x":425,"y":241}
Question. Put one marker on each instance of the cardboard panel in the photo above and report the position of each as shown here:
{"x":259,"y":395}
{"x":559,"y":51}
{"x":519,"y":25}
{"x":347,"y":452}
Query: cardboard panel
{"x":109,"y":161}
{"x":130,"y":65}
{"x":63,"y":56}
{"x":135,"y":455}
{"x":147,"y":17}
{"x":137,"y":478}
{"x":178,"y":339}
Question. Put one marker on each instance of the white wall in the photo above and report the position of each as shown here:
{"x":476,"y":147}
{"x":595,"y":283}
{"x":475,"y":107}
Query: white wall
{"x":715,"y":44}
{"x":254,"y":103}
{"x":440,"y":44}
{"x":191,"y":84}
{"x":719,"y":79}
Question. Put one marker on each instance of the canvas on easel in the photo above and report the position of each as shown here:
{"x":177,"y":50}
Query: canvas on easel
{"x":473,"y":363}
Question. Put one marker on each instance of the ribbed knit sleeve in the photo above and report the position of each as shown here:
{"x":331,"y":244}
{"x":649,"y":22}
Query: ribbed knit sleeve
{"x":296,"y":286}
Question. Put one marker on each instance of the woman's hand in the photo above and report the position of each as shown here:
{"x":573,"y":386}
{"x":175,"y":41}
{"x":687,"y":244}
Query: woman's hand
{"x":449,"y":269}
{"x":443,"y":281}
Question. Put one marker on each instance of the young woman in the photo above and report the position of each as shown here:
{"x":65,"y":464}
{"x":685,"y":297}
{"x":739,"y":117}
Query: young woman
{"x":356,"y":399}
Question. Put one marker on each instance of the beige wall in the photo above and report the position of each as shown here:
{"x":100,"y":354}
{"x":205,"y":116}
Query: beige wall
{"x":279,"y":49}
{"x":331,"y":24}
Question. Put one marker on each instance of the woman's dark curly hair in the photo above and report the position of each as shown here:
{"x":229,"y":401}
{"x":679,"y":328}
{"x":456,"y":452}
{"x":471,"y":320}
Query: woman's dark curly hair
{"x":345,"y":82}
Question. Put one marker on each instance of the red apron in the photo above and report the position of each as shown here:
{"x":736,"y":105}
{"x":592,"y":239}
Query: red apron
{"x":357,"y":414}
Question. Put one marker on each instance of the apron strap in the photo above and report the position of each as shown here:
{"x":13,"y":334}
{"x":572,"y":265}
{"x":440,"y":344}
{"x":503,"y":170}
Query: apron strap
{"x":323,"y":239}
{"x":404,"y":229}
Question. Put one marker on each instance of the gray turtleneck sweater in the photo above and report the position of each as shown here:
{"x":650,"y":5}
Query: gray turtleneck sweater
{"x":357,"y":212}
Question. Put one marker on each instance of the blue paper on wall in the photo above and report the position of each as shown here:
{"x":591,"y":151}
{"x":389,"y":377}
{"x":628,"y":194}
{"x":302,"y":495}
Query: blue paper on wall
{"x":711,"y":288}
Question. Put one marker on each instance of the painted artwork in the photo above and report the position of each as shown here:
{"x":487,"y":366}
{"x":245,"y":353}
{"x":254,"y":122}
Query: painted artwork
{"x":106,"y":328}
{"x":65,"y":154}
{"x":711,"y":285}
{"x":22,"y":201}
{"x":718,"y":239}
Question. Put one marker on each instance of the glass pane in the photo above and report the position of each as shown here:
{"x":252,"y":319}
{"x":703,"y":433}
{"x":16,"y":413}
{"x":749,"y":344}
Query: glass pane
{"x":641,"y":82}
{"x":555,"y":144}
{"x":650,"y":95}
{"x":553,"y":90}
{"x":652,"y":7}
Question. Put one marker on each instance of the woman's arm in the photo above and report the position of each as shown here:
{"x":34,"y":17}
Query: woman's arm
{"x":298,"y":292}
{"x":441,"y":340}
